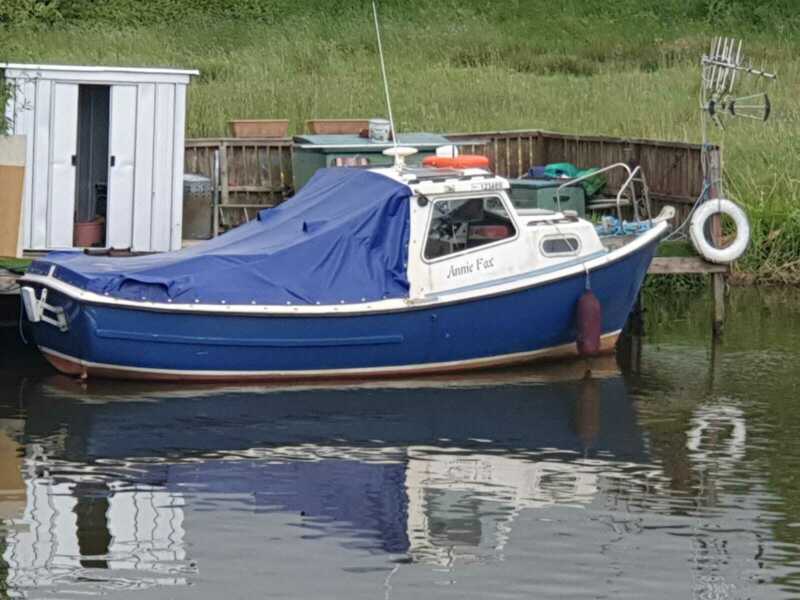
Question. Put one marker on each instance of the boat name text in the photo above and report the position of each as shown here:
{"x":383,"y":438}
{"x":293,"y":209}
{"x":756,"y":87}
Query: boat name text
{"x":473,"y":266}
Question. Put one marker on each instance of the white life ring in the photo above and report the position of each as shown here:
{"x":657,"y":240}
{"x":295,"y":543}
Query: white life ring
{"x":698,"y":225}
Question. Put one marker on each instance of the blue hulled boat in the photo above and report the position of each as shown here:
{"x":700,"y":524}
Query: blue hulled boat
{"x":362,"y":273}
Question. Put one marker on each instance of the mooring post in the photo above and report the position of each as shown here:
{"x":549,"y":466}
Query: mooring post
{"x":718,"y":294}
{"x":636,"y":318}
{"x":717,"y":279}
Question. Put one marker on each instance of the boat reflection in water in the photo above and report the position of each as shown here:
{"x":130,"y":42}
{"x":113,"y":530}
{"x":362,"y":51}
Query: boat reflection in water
{"x":133,"y":488}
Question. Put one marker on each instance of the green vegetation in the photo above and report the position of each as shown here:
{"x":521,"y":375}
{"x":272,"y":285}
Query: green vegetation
{"x":624,"y":67}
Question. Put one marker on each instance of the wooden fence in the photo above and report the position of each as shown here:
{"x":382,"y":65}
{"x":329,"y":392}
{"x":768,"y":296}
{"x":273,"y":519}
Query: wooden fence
{"x":248,"y":174}
{"x":673,"y":169}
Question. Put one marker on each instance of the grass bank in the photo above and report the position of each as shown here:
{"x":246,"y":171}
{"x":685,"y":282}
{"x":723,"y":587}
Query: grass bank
{"x":626,"y":68}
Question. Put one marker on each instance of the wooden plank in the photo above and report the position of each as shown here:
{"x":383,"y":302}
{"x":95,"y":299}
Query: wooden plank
{"x":240,"y":205}
{"x":489,"y":135}
{"x":215,"y":188}
{"x":254,"y":189}
{"x":677,"y":265}
{"x":223,"y":177}
{"x":599,"y":138}
{"x":539,"y":150}
{"x":287,"y":174}
{"x":12,"y":176}
{"x":509,"y":167}
{"x":230,"y":141}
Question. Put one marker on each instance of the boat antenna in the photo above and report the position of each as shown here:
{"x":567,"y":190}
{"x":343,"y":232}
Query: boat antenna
{"x":383,"y":72}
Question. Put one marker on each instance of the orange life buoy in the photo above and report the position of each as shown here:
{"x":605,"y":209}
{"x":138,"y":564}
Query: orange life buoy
{"x":465,"y":161}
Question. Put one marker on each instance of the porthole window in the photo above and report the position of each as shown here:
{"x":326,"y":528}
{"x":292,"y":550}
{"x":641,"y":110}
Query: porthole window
{"x":560,"y":245}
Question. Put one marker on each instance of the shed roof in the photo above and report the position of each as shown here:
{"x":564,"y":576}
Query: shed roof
{"x":98,"y":72}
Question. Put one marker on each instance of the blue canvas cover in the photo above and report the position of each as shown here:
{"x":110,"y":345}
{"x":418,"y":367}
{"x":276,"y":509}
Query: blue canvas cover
{"x":342,"y":238}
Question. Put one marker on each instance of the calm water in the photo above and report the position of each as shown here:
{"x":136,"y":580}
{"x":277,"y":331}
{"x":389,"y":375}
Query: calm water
{"x":670,"y":472}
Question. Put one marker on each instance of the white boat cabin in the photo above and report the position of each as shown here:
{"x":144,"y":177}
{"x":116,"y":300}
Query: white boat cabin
{"x":467,"y":235}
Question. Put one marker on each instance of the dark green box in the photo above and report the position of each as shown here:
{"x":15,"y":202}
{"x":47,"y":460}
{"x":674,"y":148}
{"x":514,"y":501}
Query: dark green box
{"x":313,"y":152}
{"x":541,"y":193}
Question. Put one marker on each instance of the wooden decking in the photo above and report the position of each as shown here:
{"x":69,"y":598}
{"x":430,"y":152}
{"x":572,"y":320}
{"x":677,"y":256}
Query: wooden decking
{"x":679,"y":265}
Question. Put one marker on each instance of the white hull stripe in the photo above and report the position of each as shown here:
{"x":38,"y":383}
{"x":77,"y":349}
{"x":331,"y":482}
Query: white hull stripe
{"x":491,"y":288}
{"x":517,"y":357}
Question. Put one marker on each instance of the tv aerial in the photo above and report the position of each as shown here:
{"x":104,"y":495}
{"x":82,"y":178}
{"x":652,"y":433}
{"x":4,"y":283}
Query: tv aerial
{"x":720,"y":68}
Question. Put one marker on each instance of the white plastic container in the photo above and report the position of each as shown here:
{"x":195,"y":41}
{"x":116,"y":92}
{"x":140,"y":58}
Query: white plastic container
{"x":379,"y":130}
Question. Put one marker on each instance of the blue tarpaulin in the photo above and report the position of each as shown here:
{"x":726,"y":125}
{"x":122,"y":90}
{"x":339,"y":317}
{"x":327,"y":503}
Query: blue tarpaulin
{"x":342,"y":238}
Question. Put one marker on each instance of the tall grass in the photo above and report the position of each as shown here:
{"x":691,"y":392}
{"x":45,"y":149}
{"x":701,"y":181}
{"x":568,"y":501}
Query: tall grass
{"x":625,"y":68}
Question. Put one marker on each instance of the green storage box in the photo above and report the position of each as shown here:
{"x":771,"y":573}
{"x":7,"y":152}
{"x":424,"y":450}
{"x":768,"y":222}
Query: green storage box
{"x":540,"y":193}
{"x":313,"y":152}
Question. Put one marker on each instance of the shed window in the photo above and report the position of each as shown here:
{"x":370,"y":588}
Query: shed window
{"x":560,"y":245}
{"x":466,"y":223}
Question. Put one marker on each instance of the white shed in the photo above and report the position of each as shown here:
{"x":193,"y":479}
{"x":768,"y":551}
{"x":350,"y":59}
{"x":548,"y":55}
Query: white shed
{"x":105,"y":146}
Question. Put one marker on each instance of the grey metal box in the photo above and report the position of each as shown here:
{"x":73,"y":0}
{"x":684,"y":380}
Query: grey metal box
{"x":198,"y":207}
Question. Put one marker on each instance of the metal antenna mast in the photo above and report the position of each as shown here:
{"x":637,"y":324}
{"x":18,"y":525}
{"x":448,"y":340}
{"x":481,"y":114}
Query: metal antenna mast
{"x":720,"y":67}
{"x":383,"y":72}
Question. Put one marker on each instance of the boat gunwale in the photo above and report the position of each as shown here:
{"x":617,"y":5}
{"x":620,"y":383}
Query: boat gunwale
{"x":520,"y":283}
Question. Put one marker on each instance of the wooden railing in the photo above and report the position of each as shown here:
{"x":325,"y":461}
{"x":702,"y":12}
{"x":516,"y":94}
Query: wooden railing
{"x":249,"y":174}
{"x":673,"y":169}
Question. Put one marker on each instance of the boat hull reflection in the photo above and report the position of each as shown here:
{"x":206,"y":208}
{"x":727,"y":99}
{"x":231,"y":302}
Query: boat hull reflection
{"x":430,"y":472}
{"x":128,"y":421}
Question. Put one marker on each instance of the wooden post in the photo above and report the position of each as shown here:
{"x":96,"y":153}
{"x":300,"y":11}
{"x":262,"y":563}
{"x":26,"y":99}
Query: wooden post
{"x":635,"y":323}
{"x":215,"y":190}
{"x":223,"y":174}
{"x":717,"y":279}
{"x":540,"y":150}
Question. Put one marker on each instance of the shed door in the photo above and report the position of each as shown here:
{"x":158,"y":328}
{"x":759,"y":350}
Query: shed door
{"x":61,"y":185}
{"x":122,"y":153}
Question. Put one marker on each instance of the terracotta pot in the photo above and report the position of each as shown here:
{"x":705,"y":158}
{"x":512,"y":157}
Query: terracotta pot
{"x":336,"y":126}
{"x":259,"y":128}
{"x":86,"y":235}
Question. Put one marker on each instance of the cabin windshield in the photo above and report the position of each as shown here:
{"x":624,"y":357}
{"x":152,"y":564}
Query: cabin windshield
{"x":461,"y":224}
